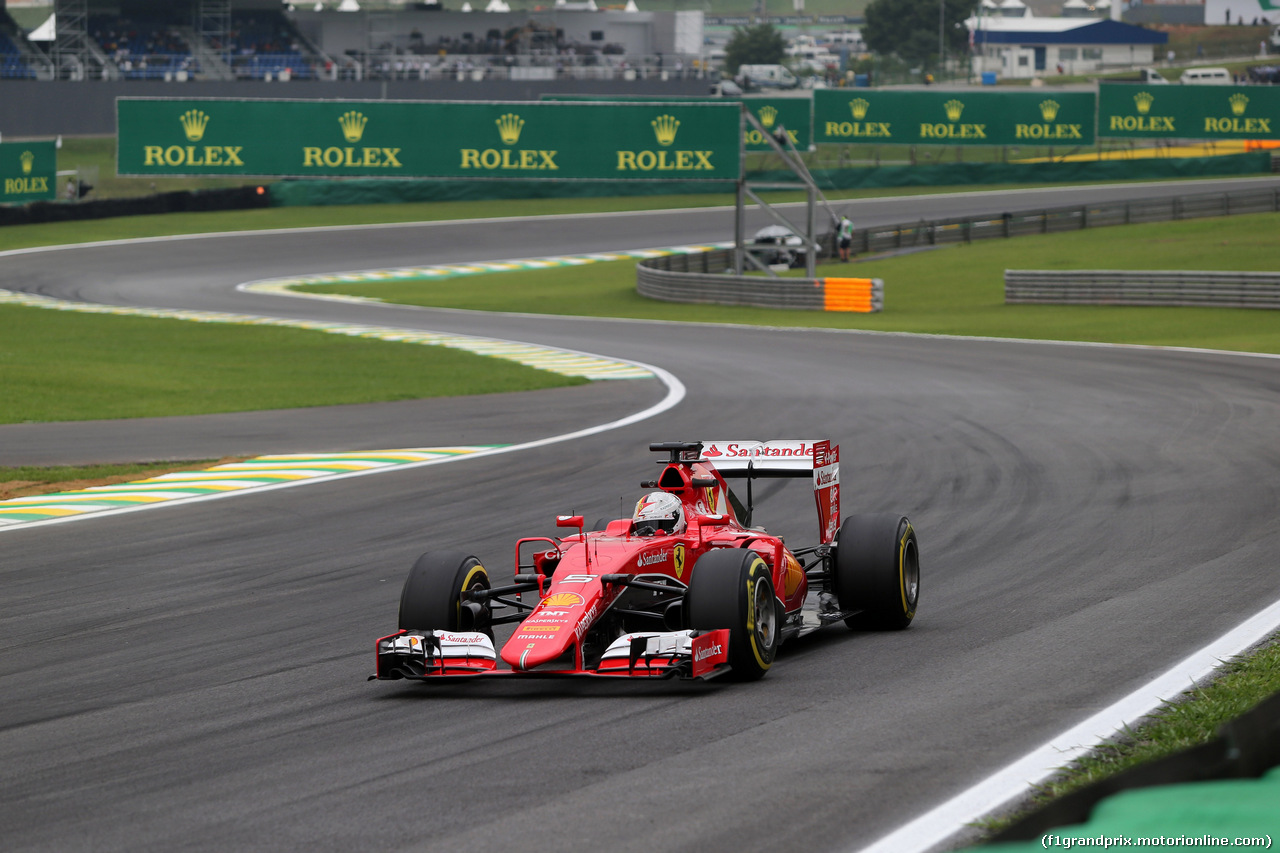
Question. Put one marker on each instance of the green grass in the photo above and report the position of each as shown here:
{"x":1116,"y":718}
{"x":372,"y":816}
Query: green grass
{"x":37,"y":480}
{"x":61,"y":366}
{"x":1191,"y":720}
{"x":955,"y":290}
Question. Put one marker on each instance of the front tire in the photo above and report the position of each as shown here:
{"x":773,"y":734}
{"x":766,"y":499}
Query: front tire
{"x":732,"y":588}
{"x":432,"y":594}
{"x":878,"y":571}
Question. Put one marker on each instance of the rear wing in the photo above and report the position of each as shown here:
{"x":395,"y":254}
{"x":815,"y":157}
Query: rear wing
{"x":785,"y":458}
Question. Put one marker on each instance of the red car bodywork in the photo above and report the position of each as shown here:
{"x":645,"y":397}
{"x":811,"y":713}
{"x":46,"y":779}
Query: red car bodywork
{"x":583,"y":579}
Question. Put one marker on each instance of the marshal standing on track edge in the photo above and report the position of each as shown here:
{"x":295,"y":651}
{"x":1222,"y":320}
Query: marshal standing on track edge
{"x":685,"y":588}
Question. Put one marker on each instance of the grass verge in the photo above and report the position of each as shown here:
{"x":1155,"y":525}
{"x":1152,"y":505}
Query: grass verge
{"x":956,"y":290}
{"x":27,"y":480}
{"x":62,"y":366}
{"x":1190,"y":720}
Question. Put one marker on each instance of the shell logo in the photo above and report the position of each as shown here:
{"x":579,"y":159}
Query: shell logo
{"x":562,"y":599}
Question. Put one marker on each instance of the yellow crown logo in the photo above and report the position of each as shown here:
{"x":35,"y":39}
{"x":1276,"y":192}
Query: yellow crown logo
{"x":193,"y":124}
{"x":859,"y":107}
{"x":665,"y":127}
{"x":352,"y":125}
{"x":1144,"y":100}
{"x":1049,"y":110}
{"x":509,"y":127}
{"x":768,"y":115}
{"x":953,"y":108}
{"x":1238,"y":102}
{"x":28,"y":159}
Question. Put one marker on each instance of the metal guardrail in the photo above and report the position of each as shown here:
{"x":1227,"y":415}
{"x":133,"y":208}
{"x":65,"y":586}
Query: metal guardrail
{"x":701,"y":277}
{"x":1142,"y":287}
{"x":706,"y":277}
{"x":1071,"y":218}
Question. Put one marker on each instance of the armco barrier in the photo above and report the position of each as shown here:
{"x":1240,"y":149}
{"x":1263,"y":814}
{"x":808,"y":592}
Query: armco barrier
{"x":703,"y":278}
{"x":1142,"y":287}
{"x":1049,"y":220}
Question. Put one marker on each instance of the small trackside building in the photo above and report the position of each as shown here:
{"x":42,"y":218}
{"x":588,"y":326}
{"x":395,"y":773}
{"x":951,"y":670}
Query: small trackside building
{"x":1035,"y":47}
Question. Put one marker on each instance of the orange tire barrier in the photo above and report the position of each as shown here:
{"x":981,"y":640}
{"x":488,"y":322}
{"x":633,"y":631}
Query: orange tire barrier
{"x":864,"y":295}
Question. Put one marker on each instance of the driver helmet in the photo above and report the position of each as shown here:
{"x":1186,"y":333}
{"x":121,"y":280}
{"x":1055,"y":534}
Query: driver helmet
{"x":658,"y":512}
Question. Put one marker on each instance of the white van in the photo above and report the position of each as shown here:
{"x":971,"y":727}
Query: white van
{"x":1151,"y":76}
{"x":1206,"y":77}
{"x":766,"y":77}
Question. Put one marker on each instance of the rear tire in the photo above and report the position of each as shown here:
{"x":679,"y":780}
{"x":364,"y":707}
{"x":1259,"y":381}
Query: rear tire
{"x":432,"y":594}
{"x":878,"y":571}
{"x":732,"y":588}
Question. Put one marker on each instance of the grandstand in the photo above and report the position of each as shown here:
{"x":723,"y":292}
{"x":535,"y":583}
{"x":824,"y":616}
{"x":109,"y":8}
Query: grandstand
{"x":265,"y":40}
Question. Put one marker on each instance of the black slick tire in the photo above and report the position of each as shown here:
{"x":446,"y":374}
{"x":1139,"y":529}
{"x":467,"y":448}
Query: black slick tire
{"x":732,"y":588}
{"x":878,"y":571}
{"x":432,"y":594}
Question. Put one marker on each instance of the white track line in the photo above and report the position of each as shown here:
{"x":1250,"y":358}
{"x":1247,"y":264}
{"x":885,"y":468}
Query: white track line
{"x":675,"y":393}
{"x":1014,"y":780}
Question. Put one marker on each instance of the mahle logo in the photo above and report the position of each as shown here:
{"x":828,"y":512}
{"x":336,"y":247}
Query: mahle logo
{"x":352,"y":123}
{"x":28,"y":161}
{"x":1143,"y":121}
{"x":665,"y":128}
{"x":1236,"y":123}
{"x":1048,"y":131}
{"x":509,"y":127}
{"x":858,"y":128}
{"x":768,"y":115}
{"x":193,"y":124}
{"x":941,"y":130}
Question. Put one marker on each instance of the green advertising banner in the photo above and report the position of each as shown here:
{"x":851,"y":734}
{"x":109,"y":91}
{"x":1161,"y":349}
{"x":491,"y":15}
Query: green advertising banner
{"x":794,"y":114}
{"x":428,"y":139}
{"x":953,"y":117}
{"x":28,"y":171}
{"x":1188,"y":112}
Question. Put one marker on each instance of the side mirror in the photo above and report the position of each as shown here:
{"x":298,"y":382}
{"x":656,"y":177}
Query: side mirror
{"x":569,"y":521}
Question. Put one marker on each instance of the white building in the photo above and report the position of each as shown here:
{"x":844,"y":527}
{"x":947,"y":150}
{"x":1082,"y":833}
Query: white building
{"x":1034,"y":47}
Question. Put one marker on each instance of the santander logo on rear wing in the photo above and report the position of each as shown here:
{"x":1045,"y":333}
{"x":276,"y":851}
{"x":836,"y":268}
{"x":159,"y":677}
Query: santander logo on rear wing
{"x":786,"y":458}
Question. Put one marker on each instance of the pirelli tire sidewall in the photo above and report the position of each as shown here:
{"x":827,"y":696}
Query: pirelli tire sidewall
{"x":432,"y":594}
{"x":733,"y":588}
{"x":878,"y":571}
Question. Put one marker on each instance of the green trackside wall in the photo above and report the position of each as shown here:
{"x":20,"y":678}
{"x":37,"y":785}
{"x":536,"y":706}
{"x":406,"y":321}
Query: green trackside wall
{"x":953,"y":117}
{"x":305,"y":193}
{"x":28,"y":172}
{"x":429,"y":139}
{"x":793,"y":113}
{"x":1128,"y":111}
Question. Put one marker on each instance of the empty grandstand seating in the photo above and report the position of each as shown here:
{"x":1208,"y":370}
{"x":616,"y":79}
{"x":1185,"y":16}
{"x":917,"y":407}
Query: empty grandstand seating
{"x":12,"y":63}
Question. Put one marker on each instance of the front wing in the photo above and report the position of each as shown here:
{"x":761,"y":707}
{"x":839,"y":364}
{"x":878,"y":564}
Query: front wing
{"x":434,"y":655}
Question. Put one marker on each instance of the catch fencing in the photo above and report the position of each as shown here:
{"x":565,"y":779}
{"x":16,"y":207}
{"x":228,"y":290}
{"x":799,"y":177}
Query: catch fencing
{"x":1143,"y":287}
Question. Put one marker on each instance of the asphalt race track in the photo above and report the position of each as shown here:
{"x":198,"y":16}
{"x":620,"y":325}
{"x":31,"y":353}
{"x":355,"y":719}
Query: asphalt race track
{"x":193,"y":677}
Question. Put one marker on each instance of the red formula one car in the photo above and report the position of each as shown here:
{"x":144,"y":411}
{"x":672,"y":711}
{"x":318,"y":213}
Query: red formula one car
{"x":685,"y":588}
